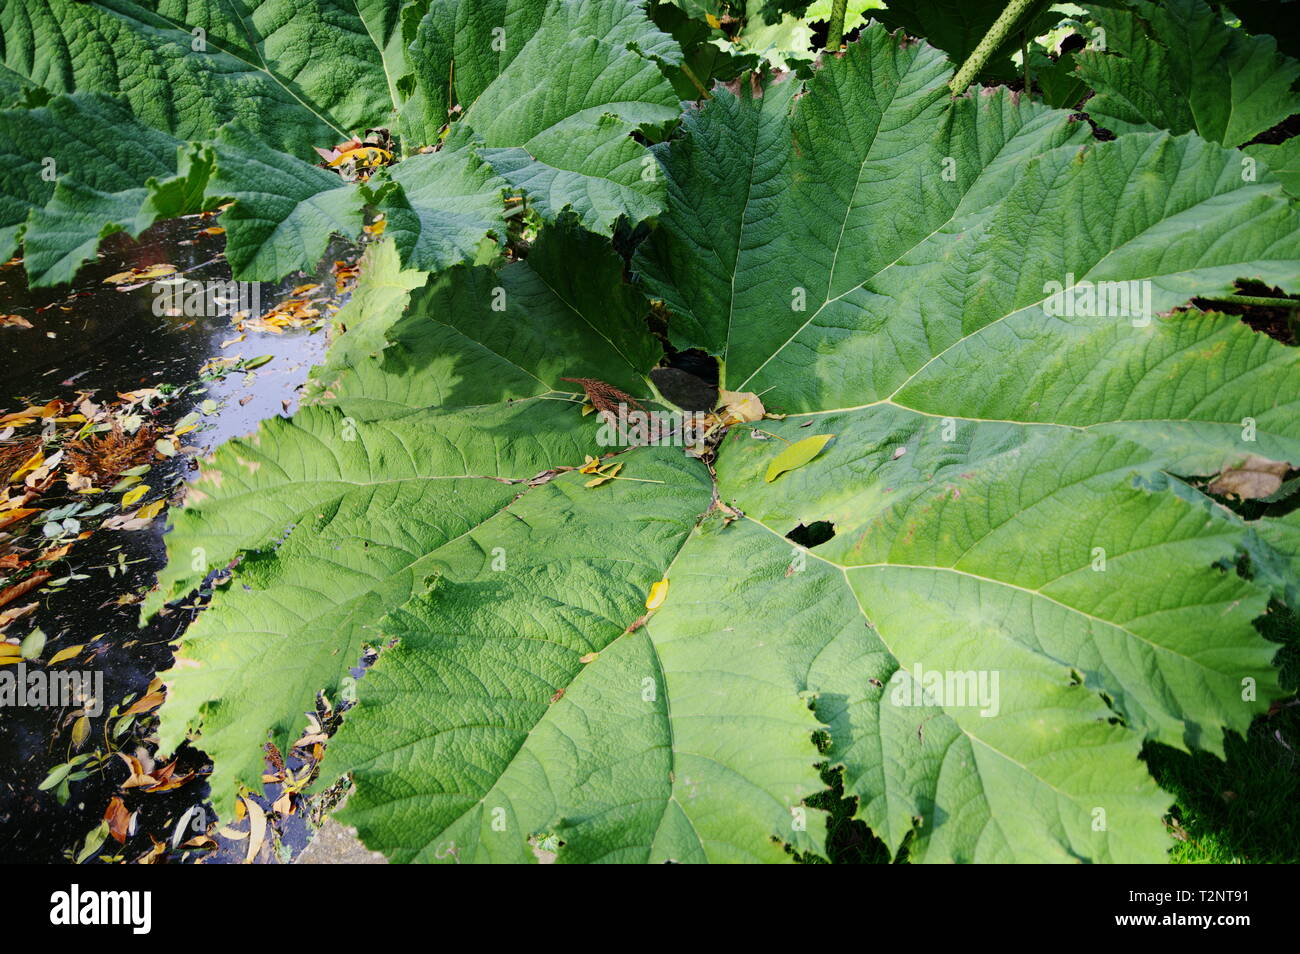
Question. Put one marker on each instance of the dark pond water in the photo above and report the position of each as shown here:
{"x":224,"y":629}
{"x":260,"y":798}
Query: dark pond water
{"x":96,"y":341}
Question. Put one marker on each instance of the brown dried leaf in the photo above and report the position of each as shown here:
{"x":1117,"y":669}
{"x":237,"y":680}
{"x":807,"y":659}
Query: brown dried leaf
{"x":1255,"y":477}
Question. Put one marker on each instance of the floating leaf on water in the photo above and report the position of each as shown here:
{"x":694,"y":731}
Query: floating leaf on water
{"x":141,"y":274}
{"x":32,"y":645}
{"x":131,"y":496}
{"x":151,"y":509}
{"x":68,"y":652}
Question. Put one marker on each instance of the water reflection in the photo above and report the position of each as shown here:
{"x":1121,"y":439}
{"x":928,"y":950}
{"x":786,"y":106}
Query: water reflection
{"x":95,"y":340}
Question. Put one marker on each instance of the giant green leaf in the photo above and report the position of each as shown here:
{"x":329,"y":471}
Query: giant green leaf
{"x":1178,"y":66}
{"x":81,"y":167}
{"x":190,"y":66}
{"x":278,"y":77}
{"x":181,"y":71}
{"x":1005,"y":489}
{"x":386,"y":479}
{"x":552,"y":111}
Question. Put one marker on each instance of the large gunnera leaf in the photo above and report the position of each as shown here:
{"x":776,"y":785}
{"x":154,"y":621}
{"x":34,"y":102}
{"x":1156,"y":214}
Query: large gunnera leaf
{"x":972,"y":307}
{"x":1176,"y":65}
{"x":269,"y":80}
{"x":81,"y":167}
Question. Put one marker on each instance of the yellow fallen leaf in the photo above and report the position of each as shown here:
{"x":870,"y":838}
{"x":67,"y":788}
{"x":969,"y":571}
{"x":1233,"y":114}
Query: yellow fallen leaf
{"x":134,"y":494}
{"x":67,"y":653}
{"x":603,"y":475}
{"x":256,"y":829}
{"x":365,"y":156}
{"x":27,"y":466}
{"x":151,"y":510}
{"x":740,"y":406}
{"x":80,"y":732}
{"x":141,"y":274}
{"x":658,"y":593}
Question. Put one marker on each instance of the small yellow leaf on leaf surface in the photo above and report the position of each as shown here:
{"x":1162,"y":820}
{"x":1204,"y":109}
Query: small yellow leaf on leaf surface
{"x":603,"y":475}
{"x":796,"y":455}
{"x":658,"y":593}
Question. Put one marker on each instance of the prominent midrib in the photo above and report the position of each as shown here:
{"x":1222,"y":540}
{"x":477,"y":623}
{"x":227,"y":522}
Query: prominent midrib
{"x":848,"y":211}
{"x":383,"y":62}
{"x":261,"y":67}
{"x":965,"y":733}
{"x":480,"y":799}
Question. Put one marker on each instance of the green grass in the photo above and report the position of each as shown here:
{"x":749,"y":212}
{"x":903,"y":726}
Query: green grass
{"x":1245,"y":808}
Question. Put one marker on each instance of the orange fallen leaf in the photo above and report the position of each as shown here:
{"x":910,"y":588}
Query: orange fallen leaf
{"x":119,"y":819}
{"x":54,"y":554}
{"x":11,"y":593}
{"x":13,"y":516}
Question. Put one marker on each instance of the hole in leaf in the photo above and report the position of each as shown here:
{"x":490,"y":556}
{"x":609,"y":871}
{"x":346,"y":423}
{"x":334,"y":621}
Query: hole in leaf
{"x":689,"y":379}
{"x":814,"y":534}
{"x":1279,"y":322}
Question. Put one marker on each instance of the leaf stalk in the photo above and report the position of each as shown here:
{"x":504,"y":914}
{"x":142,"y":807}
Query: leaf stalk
{"x":997,"y":34}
